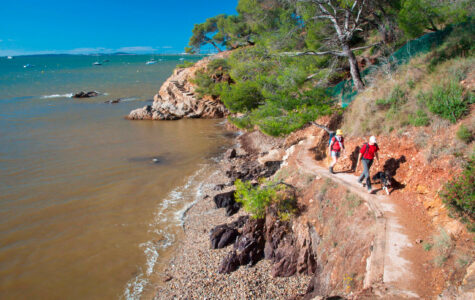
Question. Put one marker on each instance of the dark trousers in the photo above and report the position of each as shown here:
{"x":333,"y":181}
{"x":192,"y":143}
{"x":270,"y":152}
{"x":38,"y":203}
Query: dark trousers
{"x":366,"y":165}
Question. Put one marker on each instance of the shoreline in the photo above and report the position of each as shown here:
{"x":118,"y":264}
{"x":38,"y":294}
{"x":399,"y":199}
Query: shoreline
{"x":192,"y":270}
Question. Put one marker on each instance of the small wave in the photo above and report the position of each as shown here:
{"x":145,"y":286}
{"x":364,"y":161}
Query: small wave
{"x":128,"y":99}
{"x":70,"y":95}
{"x":179,"y":200}
{"x":135,"y":287}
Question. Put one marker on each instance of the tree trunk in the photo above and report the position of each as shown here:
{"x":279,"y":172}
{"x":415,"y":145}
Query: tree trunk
{"x":216,"y":47}
{"x":354,"y":69}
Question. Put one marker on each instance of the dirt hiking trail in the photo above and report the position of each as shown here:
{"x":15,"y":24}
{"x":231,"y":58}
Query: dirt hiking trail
{"x":397,"y":265}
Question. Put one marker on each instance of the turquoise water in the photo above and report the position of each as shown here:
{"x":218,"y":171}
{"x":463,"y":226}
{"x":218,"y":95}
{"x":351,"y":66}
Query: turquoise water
{"x":85,"y":212}
{"x":123,"y":76}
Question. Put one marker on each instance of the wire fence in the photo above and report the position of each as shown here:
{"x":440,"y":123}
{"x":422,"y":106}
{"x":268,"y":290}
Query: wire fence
{"x":345,"y":92}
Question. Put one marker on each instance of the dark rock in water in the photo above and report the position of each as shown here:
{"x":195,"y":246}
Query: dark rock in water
{"x":113,"y":101}
{"x":86,"y":94}
{"x":224,"y":199}
{"x":222,"y":235}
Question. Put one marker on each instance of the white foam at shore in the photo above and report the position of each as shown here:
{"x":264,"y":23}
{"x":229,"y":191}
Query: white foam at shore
{"x":180,"y":200}
{"x":69,"y":95}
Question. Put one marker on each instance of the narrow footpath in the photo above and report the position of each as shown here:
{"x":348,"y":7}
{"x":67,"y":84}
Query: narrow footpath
{"x":395,"y":266}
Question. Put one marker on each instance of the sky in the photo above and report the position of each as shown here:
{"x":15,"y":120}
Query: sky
{"x":88,"y":26}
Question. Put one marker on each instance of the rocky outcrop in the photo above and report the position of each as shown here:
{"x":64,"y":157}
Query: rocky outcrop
{"x":289,"y":250}
{"x":227,"y":201}
{"x":86,"y":94}
{"x":225,"y":234}
{"x":177,"y":99}
{"x":248,"y":248}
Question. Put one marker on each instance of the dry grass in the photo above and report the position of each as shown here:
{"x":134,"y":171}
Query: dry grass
{"x":365,"y":117}
{"x":443,"y":247}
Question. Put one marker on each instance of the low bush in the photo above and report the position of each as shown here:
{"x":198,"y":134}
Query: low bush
{"x":242,"y":97}
{"x":464,"y":134}
{"x":255,"y":199}
{"x":420,"y":118}
{"x":459,"y":193}
{"x":447,"y":101}
{"x":459,"y":44}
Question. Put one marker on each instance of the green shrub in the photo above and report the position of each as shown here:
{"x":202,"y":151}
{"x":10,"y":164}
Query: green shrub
{"x":459,"y":193}
{"x":459,"y":43}
{"x":464,"y":134}
{"x":186,"y":64}
{"x":242,"y":97}
{"x":420,"y":118}
{"x":447,"y":101}
{"x":256,"y":199}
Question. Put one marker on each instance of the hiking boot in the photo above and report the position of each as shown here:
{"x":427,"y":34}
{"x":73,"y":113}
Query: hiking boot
{"x":370,"y":191}
{"x":331,"y":170}
{"x":362,"y":184}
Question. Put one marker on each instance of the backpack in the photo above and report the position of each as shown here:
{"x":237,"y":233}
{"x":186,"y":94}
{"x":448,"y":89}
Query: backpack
{"x":367,"y":148}
{"x":332,"y":135}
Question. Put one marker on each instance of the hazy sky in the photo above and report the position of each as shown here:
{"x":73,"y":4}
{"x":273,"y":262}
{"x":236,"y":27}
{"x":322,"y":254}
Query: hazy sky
{"x":88,"y":26}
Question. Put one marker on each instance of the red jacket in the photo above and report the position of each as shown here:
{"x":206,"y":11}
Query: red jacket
{"x":335,"y":145}
{"x":370,"y":152}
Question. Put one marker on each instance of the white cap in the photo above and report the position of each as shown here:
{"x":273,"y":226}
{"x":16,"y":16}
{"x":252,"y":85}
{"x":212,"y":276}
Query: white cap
{"x":372,"y":140}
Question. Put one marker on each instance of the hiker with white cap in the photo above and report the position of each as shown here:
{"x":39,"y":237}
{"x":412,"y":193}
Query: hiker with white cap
{"x":367,"y":154}
{"x":335,"y":147}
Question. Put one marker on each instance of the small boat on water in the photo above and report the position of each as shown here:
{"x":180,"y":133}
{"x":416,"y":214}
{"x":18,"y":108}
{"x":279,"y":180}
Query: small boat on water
{"x":28,"y":66}
{"x":9,"y":57}
{"x":97,"y":63}
{"x":182,"y":59}
{"x":151,"y":62}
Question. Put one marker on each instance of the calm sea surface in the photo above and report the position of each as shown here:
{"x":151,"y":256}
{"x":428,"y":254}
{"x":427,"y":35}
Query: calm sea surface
{"x":85,"y":212}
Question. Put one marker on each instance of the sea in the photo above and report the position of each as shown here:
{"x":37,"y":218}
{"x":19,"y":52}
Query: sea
{"x":92,"y":204}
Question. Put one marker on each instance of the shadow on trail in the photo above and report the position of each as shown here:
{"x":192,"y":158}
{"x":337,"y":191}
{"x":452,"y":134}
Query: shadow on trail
{"x":390,"y":167}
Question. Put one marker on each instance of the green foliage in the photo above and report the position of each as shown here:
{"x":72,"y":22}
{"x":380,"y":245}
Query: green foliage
{"x":186,"y":64}
{"x":287,"y":112}
{"x":255,"y":199}
{"x":420,"y":118}
{"x":242,"y":97}
{"x":459,"y":193}
{"x":459,"y":43}
{"x":447,"y":101}
{"x":214,"y":79}
{"x":204,"y":34}
{"x":416,"y":16}
{"x":464,"y":134}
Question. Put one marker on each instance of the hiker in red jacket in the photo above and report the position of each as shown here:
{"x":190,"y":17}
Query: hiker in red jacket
{"x":367,"y":154}
{"x":335,"y":147}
